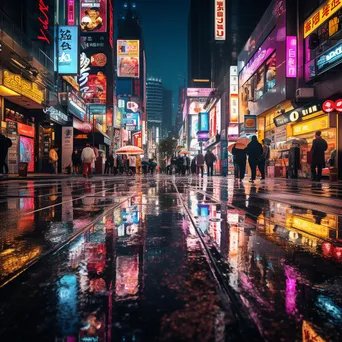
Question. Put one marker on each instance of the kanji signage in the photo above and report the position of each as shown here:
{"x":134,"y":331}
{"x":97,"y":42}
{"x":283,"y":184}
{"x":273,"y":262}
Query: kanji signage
{"x":220,"y":20}
{"x":44,"y":21}
{"x":296,"y":114}
{"x":323,"y":13}
{"x":233,"y":95}
{"x":68,"y":50}
{"x":330,"y":105}
{"x":291,"y":57}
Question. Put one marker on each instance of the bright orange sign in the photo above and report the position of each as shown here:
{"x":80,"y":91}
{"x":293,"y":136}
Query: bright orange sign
{"x":321,"y":15}
{"x":26,"y":130}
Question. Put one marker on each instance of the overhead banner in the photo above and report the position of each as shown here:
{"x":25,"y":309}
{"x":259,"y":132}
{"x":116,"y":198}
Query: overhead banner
{"x":128,"y":58}
{"x":93,"y":15}
{"x":68,"y":50}
{"x":220,"y":20}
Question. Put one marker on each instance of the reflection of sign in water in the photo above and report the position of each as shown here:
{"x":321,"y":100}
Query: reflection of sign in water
{"x":127,"y":275}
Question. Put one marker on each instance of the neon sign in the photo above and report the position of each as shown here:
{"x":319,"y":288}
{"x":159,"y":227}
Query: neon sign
{"x":330,"y":58}
{"x":291,"y":57}
{"x":84,"y":73}
{"x":44,"y":20}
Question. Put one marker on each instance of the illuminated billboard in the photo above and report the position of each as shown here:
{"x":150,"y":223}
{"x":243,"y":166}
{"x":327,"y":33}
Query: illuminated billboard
{"x":233,"y":95}
{"x":204,"y":122}
{"x":198,"y":92}
{"x":96,"y":91}
{"x":196,"y":106}
{"x":220,"y":20}
{"x":130,"y":109}
{"x":128,"y":58}
{"x":93,"y":15}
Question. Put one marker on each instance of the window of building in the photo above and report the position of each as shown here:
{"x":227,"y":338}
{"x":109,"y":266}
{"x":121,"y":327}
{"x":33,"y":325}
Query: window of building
{"x":271,"y":72}
{"x":260,"y":82}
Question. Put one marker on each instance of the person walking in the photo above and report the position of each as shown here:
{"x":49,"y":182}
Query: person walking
{"x":319,"y":146}
{"x":240,"y":158}
{"x":210,"y":159}
{"x":5,"y":144}
{"x":76,"y":161}
{"x":109,"y":163}
{"x":254,"y":151}
{"x":53,"y":157}
{"x":193,"y":166}
{"x":152,"y":165}
{"x":179,"y":164}
{"x":263,"y":161}
{"x":132,"y":163}
{"x":88,"y":157}
{"x":200,"y":163}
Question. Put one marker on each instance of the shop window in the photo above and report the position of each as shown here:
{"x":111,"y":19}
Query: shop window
{"x":260,"y":82}
{"x":271,"y":72}
{"x":246,"y":95}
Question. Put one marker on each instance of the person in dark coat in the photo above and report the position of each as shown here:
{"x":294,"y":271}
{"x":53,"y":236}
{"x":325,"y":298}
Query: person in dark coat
{"x":210,"y":159}
{"x":5,"y":144}
{"x":254,"y":151}
{"x":240,"y":158}
{"x":193,"y":166}
{"x":319,"y":146}
{"x":76,"y":161}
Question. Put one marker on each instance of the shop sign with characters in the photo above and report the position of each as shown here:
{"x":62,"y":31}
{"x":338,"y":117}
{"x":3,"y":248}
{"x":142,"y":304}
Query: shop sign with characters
{"x":296,"y":114}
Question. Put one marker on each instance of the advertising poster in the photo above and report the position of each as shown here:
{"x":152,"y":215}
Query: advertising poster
{"x":196,"y":106}
{"x":68,"y":50}
{"x":93,"y":15}
{"x":27,"y":152}
{"x":204,"y":122}
{"x":194,"y":127}
{"x":68,"y":145}
{"x":128,"y":58}
{"x":96,"y":88}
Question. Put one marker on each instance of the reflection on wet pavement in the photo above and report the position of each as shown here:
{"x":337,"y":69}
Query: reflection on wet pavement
{"x":138,"y":270}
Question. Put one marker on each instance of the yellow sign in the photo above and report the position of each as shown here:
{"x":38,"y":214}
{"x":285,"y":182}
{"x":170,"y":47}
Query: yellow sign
{"x":72,"y":81}
{"x":311,"y":125}
{"x":309,"y":334}
{"x":324,"y":12}
{"x":23,"y":87}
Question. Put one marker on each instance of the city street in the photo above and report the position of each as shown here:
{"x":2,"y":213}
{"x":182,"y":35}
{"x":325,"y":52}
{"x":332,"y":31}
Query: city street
{"x":170,"y":259}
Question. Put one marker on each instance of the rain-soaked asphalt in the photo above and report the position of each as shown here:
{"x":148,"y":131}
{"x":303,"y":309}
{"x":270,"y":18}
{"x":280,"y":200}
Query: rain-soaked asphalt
{"x":170,"y":259}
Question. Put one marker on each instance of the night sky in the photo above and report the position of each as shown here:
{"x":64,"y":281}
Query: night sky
{"x":165,"y":31}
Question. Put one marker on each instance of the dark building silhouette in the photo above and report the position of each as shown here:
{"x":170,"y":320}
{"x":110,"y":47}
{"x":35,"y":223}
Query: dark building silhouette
{"x":167,"y":113}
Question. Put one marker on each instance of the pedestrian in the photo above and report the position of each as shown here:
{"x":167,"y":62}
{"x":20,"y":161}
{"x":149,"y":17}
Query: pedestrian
{"x":152,"y":166}
{"x":109,"y":164}
{"x":179,"y":164}
{"x":200,"y":163}
{"x":88,"y":158}
{"x":138,"y":165}
{"x":76,"y":161}
{"x":184,"y":166}
{"x":188,"y":162}
{"x":53,"y":158}
{"x":125,"y":162}
{"x":210,"y":159}
{"x":254,"y":151}
{"x":133,"y":164}
{"x":263,"y":161}
{"x":115,"y":164}
{"x":120,"y":164}
{"x":240,"y":158}
{"x":5,"y":144}
{"x":193,"y":166}
{"x":319,"y":146}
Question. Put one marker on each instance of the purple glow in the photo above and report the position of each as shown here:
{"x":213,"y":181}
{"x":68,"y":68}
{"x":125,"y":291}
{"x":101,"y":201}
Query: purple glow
{"x":291,"y":57}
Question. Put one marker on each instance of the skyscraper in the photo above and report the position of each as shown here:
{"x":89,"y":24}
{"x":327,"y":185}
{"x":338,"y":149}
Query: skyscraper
{"x":167,"y":113}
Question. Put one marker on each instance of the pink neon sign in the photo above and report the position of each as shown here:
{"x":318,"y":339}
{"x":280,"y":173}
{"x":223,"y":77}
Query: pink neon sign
{"x":71,"y":12}
{"x":291,"y":56}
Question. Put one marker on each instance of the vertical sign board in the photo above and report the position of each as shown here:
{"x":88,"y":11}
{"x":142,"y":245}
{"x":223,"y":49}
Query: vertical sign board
{"x":128,"y":58}
{"x":67,"y":50}
{"x":71,"y":12}
{"x":291,"y":57}
{"x":67,"y":143}
{"x":220,"y":20}
{"x":233,"y":95}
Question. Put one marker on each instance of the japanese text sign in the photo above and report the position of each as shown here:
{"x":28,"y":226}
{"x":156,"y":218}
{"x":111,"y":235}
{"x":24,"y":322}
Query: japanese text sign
{"x":220,"y":20}
{"x":324,"y":12}
{"x":67,"y":47}
{"x":233,"y":95}
{"x":291,"y":56}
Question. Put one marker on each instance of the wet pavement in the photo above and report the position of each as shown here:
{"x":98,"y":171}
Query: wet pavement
{"x":170,"y":259}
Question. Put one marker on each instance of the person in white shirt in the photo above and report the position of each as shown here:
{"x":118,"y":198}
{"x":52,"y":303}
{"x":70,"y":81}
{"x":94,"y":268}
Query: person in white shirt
{"x":87,"y":157}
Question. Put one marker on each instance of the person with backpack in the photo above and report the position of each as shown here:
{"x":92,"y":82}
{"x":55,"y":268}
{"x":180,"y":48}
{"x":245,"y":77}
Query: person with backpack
{"x":254,"y":152}
{"x":263,"y":161}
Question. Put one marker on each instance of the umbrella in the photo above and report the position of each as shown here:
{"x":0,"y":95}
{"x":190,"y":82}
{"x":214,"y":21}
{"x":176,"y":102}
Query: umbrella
{"x":237,"y":146}
{"x":243,"y":142}
{"x":132,"y":150}
{"x":184,"y":152}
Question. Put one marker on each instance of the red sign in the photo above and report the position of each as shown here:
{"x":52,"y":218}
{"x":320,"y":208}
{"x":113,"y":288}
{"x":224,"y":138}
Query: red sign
{"x":44,"y":21}
{"x":328,"y":106}
{"x":84,"y":127}
{"x":25,"y":130}
{"x":338,"y":105}
{"x":220,"y":20}
{"x":71,"y":12}
{"x":111,"y":25}
{"x":137,"y":139}
{"x":109,"y":117}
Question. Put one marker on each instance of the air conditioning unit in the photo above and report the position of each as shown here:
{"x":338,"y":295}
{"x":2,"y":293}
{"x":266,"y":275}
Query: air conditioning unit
{"x":304,"y":93}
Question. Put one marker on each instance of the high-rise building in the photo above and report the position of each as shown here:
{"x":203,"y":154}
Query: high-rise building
{"x":154,"y":111}
{"x":167,"y":113}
